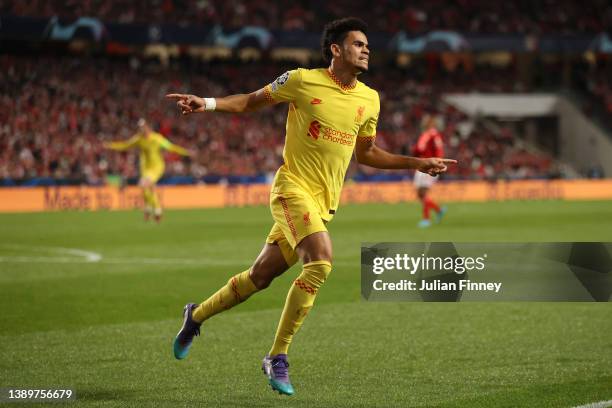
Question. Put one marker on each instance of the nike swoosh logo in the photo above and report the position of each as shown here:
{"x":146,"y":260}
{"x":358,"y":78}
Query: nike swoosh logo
{"x":316,"y":101}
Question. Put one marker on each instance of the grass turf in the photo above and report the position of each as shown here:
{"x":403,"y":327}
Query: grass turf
{"x":105,"y":328}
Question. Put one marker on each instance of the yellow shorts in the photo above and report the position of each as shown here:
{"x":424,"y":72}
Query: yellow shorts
{"x":152,"y":174}
{"x":296,"y":216}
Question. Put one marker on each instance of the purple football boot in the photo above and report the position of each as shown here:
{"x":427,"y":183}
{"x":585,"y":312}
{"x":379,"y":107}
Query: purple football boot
{"x":276,"y":368}
{"x":190,"y":329}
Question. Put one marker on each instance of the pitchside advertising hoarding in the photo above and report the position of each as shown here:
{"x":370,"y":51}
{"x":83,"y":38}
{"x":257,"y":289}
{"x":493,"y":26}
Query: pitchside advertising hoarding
{"x":478,"y":271}
{"x":86,"y":198}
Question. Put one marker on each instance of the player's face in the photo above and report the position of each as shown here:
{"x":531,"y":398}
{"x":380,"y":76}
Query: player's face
{"x":144,"y":128}
{"x":355,"y":51}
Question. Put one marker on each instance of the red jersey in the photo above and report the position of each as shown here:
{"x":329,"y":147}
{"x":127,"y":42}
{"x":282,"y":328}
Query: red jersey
{"x":430,"y":144}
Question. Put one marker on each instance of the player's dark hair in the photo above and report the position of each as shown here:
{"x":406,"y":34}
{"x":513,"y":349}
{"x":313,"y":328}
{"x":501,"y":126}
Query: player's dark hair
{"x":335,"y":32}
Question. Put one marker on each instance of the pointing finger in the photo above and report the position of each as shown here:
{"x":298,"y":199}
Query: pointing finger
{"x":176,"y":96}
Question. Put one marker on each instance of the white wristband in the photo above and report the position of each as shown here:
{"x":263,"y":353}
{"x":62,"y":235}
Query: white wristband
{"x":210,"y":104}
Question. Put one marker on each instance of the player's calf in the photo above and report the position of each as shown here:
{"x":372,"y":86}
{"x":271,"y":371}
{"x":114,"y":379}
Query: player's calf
{"x":270,"y":264}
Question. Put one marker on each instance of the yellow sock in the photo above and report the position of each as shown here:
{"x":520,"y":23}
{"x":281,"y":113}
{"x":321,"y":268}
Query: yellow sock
{"x":155,"y":202}
{"x":148,"y":201}
{"x":299,"y":301}
{"x":237,"y":290}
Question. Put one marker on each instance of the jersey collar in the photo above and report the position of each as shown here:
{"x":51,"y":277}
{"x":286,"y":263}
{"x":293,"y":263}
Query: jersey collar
{"x":334,"y":78}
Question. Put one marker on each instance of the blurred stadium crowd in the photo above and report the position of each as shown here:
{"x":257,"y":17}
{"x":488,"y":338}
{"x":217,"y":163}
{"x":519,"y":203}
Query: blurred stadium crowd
{"x":56,"y":112}
{"x":476,"y":16}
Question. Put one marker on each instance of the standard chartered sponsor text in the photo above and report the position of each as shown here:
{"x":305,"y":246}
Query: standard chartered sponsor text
{"x":337,"y":136}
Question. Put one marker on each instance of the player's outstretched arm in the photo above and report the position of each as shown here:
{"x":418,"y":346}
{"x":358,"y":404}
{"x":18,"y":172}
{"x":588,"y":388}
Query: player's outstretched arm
{"x":371,"y":155}
{"x":122,"y":145}
{"x":233,"y":104}
{"x":179,"y":150}
{"x":171,"y":147}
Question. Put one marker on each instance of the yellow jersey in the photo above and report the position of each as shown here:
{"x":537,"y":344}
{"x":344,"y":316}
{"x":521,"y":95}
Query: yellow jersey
{"x":150,"y":149}
{"x":324,"y":121}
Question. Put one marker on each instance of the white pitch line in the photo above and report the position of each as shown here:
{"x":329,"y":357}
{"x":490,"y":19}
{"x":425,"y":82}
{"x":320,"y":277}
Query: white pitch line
{"x":41,"y":259}
{"x":83,"y":256}
{"x":140,"y":261}
{"x":145,"y":261}
{"x":600,"y":404}
{"x":89,"y":256}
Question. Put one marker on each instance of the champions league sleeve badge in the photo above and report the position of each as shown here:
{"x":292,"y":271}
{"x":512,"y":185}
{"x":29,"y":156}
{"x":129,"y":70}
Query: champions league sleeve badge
{"x":280,"y":81}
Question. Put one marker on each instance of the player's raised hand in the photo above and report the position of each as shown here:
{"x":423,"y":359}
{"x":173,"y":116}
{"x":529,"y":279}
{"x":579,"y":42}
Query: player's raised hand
{"x":188,"y":103}
{"x":434,"y":165}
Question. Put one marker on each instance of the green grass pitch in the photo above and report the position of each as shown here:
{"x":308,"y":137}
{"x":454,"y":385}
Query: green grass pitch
{"x":106,"y":327}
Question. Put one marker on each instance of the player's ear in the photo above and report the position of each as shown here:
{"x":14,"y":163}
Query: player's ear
{"x":336,"y":51}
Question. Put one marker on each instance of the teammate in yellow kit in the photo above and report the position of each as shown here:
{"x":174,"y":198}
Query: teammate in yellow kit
{"x":152,"y":164}
{"x":331,"y":115}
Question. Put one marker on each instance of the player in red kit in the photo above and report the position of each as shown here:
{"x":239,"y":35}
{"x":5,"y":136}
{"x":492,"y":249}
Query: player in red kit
{"x":429,"y":144}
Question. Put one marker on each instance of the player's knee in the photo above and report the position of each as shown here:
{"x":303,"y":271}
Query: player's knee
{"x":316,"y":273}
{"x":146,"y":182}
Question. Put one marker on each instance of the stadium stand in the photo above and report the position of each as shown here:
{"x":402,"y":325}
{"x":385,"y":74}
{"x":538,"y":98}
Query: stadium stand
{"x":477,"y":16}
